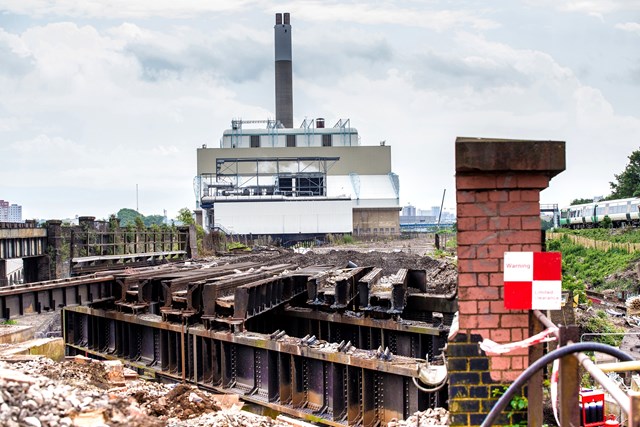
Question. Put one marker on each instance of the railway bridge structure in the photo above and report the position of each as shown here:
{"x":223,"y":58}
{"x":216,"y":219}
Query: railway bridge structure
{"x":26,"y":242}
{"x":52,"y":253}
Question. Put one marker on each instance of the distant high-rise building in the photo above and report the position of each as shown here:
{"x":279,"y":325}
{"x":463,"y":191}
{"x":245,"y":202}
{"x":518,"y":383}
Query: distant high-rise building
{"x":15,"y":213}
{"x":4,"y":211}
{"x":408,"y":210}
{"x":10,"y":212}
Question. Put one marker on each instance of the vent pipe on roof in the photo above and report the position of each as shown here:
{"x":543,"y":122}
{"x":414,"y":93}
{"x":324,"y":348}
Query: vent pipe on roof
{"x":284,"y":74}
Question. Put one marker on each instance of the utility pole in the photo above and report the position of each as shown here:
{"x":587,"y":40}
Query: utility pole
{"x":441,"y":205}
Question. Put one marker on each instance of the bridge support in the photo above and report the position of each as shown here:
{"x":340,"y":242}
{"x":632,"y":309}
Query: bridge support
{"x":55,"y":243}
{"x":36,"y":269}
{"x":498,"y":184}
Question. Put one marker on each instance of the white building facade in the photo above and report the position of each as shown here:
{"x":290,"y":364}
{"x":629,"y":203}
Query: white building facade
{"x":10,"y":212}
{"x":307,"y":180}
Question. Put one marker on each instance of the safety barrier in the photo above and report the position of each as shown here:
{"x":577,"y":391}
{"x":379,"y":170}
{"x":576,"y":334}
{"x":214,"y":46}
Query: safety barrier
{"x":570,"y":354}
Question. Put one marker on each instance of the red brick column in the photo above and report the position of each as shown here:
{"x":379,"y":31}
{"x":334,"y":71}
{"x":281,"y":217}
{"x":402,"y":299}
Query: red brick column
{"x":498,"y":184}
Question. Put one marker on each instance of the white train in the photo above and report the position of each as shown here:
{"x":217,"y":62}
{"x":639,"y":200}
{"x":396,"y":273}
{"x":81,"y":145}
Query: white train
{"x":621,"y":212}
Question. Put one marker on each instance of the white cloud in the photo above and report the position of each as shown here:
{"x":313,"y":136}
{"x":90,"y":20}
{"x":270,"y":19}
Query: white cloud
{"x":93,"y":106}
{"x":183,"y":9}
{"x":423,"y":15}
{"x":420,"y":15}
{"x":632,"y":27}
{"x":596,"y":8}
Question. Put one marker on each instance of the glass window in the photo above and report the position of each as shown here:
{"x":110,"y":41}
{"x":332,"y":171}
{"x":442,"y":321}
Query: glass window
{"x":327,"y":140}
{"x":255,"y":141}
{"x":291,"y":140}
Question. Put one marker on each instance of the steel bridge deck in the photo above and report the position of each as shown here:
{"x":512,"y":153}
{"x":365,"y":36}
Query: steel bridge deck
{"x":330,"y":345}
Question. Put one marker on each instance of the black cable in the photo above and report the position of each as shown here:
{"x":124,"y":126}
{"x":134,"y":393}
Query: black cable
{"x":541,"y":363}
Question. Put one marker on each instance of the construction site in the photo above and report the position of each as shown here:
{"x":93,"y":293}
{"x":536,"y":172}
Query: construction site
{"x":338,"y":337}
{"x":122,"y":326}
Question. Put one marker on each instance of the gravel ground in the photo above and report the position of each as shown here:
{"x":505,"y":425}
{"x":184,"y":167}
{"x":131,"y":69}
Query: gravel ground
{"x":43,"y":393}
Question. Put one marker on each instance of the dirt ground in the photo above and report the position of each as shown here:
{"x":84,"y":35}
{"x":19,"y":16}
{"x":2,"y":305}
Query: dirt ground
{"x":390,"y":255}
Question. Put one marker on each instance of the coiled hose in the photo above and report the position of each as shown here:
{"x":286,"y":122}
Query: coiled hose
{"x":541,"y":363}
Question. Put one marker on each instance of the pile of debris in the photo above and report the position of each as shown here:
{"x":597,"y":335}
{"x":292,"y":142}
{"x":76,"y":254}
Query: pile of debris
{"x":438,"y":417}
{"x":38,"y":392}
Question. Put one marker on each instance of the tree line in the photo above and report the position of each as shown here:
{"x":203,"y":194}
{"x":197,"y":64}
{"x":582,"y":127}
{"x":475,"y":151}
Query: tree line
{"x":626,"y":183}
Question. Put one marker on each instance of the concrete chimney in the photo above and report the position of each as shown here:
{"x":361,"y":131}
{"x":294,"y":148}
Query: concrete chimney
{"x":284,"y":74}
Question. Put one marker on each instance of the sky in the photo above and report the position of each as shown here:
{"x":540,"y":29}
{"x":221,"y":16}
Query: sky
{"x":98,"y":98}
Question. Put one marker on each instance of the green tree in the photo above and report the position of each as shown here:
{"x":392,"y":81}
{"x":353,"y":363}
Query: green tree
{"x":185,"y":216}
{"x":153,"y":220}
{"x":627,"y":183}
{"x":139,"y":223}
{"x":127,"y":216}
{"x":113,"y":222}
{"x":580,"y":201}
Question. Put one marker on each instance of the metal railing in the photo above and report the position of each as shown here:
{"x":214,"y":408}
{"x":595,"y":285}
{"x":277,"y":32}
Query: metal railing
{"x":572,"y":356}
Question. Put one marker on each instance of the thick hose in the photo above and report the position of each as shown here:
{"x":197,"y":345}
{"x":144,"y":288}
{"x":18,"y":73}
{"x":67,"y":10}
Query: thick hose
{"x":541,"y":363}
{"x":430,"y":390}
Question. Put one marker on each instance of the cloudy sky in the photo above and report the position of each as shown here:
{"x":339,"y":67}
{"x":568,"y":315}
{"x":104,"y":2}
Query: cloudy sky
{"x":98,"y":96}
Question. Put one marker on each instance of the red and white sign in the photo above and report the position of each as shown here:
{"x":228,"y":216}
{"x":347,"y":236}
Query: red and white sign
{"x":532,"y":280}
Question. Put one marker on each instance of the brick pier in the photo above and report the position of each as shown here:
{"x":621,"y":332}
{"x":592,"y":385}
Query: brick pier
{"x":498,"y":184}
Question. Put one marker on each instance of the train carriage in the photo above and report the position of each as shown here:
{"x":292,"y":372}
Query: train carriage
{"x":621,"y":212}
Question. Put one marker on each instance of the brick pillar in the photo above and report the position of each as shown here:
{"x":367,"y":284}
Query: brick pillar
{"x":55,"y":249}
{"x":498,"y":184}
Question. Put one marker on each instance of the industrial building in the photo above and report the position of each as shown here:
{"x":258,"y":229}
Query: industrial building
{"x":269,"y":178}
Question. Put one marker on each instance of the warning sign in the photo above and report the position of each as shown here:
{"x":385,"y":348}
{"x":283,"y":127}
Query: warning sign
{"x":532,"y":280}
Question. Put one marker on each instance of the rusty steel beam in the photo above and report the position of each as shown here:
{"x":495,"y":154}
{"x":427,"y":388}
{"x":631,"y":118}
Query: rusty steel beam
{"x":255,"y":298}
{"x":303,"y":342}
{"x":337,"y":290}
{"x":34,"y":297}
{"x":365,"y":285}
{"x":139,"y":290}
{"x":214,"y":294}
{"x":316,"y":380}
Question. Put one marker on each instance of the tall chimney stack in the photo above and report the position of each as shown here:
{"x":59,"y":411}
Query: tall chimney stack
{"x":284,"y":79}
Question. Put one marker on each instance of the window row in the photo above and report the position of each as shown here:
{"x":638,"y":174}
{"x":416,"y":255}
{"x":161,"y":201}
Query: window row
{"x":327,"y":140}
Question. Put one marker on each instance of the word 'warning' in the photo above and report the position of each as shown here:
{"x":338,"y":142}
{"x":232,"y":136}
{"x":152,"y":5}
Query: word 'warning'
{"x":532,"y":280}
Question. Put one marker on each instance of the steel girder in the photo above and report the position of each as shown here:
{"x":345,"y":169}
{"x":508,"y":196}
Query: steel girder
{"x":335,"y":384}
